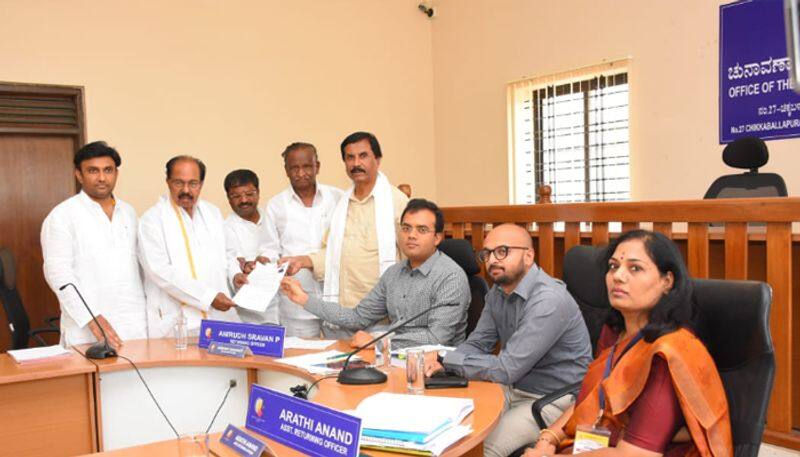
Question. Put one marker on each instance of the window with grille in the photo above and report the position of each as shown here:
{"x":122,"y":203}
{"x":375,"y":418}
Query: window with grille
{"x":570,"y":132}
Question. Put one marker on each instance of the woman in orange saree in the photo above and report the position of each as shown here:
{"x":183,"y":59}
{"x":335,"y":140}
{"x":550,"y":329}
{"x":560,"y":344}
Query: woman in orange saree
{"x":653,"y":389}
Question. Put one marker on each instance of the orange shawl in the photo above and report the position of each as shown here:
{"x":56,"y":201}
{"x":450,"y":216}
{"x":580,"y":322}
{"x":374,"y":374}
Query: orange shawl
{"x":697,"y":384}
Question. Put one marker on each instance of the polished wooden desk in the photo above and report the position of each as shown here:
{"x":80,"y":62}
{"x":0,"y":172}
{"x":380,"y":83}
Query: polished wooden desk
{"x":47,"y":408}
{"x":161,"y":353}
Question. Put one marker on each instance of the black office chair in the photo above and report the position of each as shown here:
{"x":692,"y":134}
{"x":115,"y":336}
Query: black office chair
{"x":749,"y":153}
{"x":584,"y":275}
{"x":462,"y":253}
{"x":18,"y":322}
{"x":733,"y":322}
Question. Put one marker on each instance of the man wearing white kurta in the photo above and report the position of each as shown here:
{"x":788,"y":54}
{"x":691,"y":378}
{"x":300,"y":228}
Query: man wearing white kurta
{"x":362,"y":241}
{"x":182,"y":252}
{"x":297,"y":219}
{"x":89,"y":240}
{"x":244,"y":234}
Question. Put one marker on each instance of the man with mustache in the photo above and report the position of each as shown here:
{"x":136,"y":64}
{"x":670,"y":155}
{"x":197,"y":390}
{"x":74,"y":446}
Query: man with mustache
{"x":182,"y":252}
{"x":543,"y":339}
{"x":90,"y":240}
{"x":362,"y":240}
{"x":296,"y":220}
{"x":244,"y":234}
{"x":426,"y":279}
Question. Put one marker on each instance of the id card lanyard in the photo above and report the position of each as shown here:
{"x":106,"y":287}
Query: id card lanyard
{"x":593,"y":437}
{"x":609,"y":367}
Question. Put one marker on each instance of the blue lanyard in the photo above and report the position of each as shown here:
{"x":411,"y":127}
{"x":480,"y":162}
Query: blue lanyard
{"x":632,"y":342}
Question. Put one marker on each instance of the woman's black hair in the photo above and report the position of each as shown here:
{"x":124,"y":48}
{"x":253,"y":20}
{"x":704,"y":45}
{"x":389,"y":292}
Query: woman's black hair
{"x":675,"y":309}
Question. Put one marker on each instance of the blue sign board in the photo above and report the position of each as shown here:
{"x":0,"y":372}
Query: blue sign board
{"x":261,"y":339}
{"x":755,"y":98}
{"x":244,"y":444}
{"x":227,"y":349}
{"x":302,"y":425}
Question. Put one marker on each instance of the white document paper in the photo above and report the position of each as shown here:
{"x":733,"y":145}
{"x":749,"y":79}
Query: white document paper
{"x":317,"y":363}
{"x":295,"y":342}
{"x":262,"y":285}
{"x":441,"y":412}
{"x":38,"y":353}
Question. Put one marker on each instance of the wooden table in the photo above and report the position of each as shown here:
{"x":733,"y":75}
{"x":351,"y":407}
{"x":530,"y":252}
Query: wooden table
{"x":161,"y":353}
{"x":47,"y":407}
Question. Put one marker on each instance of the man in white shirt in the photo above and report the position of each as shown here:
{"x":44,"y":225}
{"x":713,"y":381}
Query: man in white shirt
{"x":297,"y":219}
{"x":362,"y":241}
{"x":182,"y":252}
{"x":89,"y":240}
{"x":244,"y":230}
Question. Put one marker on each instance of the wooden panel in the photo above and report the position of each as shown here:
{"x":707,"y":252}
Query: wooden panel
{"x":736,"y":250}
{"x":628,"y":226}
{"x":51,"y":417}
{"x":546,"y":254}
{"x":477,"y":236}
{"x":720,"y":210}
{"x":458,"y":230}
{"x":599,"y":233}
{"x":572,"y":235}
{"x":697,"y":261}
{"x":779,"y":276}
{"x":37,"y":174}
{"x":664,"y":228}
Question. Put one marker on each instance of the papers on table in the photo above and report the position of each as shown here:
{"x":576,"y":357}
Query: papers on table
{"x":434,"y":447}
{"x":294,"y":342}
{"x":262,"y":285}
{"x":418,"y":423}
{"x":401,"y":353}
{"x":322,"y":363}
{"x":38,"y":353}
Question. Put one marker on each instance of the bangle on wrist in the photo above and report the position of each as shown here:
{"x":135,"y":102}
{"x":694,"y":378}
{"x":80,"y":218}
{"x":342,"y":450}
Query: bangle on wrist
{"x":546,"y":433}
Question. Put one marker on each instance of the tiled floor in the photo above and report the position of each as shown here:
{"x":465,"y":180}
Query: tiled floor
{"x":768,"y":450}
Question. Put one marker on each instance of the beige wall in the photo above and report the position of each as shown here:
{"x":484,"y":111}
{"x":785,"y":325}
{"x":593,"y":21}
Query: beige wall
{"x":234,"y":81}
{"x":480,"y":45}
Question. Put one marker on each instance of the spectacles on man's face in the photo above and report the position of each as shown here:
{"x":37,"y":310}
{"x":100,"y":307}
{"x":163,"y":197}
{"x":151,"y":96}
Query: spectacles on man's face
{"x":421,"y":229}
{"x":500,"y":252}
{"x":180,"y":184}
{"x":250,"y":194}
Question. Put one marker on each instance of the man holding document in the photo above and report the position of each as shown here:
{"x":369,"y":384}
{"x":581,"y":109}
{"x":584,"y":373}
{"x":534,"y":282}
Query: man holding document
{"x":361,"y":243}
{"x":426,"y":279}
{"x":182,"y":252}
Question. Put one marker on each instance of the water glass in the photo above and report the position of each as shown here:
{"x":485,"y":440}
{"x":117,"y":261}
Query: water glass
{"x":383,"y":352}
{"x":181,"y":333}
{"x":415,"y":371}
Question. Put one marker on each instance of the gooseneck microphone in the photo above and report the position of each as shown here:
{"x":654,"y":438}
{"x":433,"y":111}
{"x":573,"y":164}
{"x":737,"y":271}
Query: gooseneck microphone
{"x":99,"y":350}
{"x":371,"y":375}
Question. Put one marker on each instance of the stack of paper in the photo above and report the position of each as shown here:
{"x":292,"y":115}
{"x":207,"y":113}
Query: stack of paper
{"x":38,"y":354}
{"x":419,"y":424}
{"x":294,"y":342}
{"x":321,"y":363}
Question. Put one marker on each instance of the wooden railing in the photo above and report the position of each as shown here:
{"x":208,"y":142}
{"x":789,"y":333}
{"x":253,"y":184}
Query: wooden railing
{"x":717,"y":242}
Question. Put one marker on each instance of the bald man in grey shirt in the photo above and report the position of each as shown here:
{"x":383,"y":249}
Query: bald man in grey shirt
{"x":544,"y":343}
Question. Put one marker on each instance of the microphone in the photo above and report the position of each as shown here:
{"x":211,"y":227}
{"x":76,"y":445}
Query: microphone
{"x":371,"y":375}
{"x":231,"y":385}
{"x":99,"y":350}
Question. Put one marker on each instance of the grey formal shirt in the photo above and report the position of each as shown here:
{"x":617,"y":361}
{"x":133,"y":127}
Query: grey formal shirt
{"x":544,"y":344}
{"x":402,"y":292}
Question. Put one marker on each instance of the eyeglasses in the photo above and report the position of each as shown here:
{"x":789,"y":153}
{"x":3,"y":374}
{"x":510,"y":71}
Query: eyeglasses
{"x":500,"y":252}
{"x":421,"y":229}
{"x":180,"y":184}
{"x":250,"y":194}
